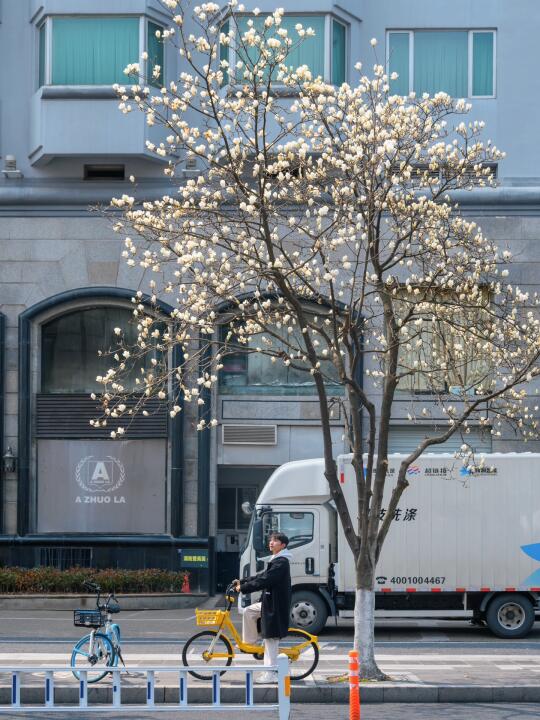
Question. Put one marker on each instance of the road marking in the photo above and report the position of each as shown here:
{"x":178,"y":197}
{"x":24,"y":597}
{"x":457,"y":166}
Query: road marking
{"x":404,"y":667}
{"x":399,"y":659}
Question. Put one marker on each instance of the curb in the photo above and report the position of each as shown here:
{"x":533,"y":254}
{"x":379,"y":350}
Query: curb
{"x":384,"y":693}
{"x":150,"y":601}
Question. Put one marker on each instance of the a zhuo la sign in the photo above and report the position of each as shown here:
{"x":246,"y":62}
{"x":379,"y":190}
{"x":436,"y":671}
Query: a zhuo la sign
{"x":100,"y":477}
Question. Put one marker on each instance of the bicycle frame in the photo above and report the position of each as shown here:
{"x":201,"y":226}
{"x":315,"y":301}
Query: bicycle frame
{"x":232,"y":634}
{"x":110,"y":630}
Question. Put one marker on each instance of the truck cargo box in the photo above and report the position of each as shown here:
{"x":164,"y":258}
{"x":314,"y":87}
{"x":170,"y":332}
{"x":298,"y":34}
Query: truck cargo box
{"x":457,"y":527}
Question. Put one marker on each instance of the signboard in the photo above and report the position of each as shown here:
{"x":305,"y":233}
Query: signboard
{"x":193,"y":558}
{"x":101,"y":486}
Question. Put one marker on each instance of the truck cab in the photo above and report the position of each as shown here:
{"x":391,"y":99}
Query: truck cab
{"x":295,"y":501}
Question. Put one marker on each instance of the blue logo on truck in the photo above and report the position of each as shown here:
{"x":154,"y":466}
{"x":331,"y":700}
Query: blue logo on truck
{"x":533,"y":551}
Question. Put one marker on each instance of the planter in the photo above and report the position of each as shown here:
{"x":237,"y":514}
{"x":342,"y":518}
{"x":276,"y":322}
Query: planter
{"x":135,"y":601}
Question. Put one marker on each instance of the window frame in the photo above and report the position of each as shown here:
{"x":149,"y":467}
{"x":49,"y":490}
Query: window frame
{"x":307,"y":389}
{"x":329,"y":19}
{"x":47,"y":23}
{"x":407,"y":385}
{"x":470,"y":39}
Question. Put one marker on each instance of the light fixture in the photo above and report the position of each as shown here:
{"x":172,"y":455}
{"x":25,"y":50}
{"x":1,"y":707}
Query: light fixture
{"x":9,"y":462}
{"x":10,"y":168}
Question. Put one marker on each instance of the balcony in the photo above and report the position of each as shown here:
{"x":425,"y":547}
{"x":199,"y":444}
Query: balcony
{"x":74,"y":113}
{"x":86,"y":122}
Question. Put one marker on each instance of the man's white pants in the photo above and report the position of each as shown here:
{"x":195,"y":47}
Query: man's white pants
{"x":251,"y":636}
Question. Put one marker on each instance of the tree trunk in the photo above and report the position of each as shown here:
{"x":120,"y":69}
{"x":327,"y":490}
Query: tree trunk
{"x":364,"y":635}
{"x":364,"y":623}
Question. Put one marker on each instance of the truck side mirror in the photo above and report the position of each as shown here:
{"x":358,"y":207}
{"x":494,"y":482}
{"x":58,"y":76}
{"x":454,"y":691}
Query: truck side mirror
{"x":258,"y":538}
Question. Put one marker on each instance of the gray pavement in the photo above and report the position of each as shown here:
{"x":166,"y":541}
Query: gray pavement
{"x":464,"y":711}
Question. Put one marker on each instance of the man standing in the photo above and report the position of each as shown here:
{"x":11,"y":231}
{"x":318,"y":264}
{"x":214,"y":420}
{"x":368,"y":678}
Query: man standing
{"x":275,"y":605}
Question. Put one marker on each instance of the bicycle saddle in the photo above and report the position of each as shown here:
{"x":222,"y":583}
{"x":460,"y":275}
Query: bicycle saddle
{"x":113,"y":607}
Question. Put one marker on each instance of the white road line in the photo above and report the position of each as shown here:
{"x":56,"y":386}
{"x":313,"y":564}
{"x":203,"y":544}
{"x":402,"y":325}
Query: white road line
{"x":384,"y":659}
{"x":471,"y":657}
{"x":404,"y":668}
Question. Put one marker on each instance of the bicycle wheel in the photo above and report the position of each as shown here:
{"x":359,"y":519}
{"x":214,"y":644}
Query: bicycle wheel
{"x":196,"y":648}
{"x":308,"y":657}
{"x":103,"y":655}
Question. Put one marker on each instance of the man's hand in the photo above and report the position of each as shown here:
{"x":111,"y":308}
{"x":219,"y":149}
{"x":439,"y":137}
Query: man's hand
{"x":236,"y":585}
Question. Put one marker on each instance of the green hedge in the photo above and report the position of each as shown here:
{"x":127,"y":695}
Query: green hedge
{"x":52,"y":580}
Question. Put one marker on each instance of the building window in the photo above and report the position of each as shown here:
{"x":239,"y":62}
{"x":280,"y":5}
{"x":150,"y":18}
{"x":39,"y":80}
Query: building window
{"x":458,"y":62}
{"x":71,"y":347}
{"x":248,"y":372}
{"x":94,"y":50}
{"x":439,"y":355}
{"x":230,"y":513}
{"x":325,"y":53}
{"x":339,"y":52}
{"x":154,"y":48}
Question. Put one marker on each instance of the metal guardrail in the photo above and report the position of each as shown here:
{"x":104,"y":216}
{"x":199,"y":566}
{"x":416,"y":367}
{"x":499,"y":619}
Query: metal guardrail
{"x":84,"y":706}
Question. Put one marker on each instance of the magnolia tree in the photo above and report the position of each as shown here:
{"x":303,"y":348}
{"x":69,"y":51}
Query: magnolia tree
{"x":321,"y":233}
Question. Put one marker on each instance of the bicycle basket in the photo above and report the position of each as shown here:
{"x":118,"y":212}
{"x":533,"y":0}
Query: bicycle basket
{"x":88,"y":618}
{"x":208,"y":617}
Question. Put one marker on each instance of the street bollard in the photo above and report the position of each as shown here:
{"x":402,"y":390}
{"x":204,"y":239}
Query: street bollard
{"x":354,"y":687}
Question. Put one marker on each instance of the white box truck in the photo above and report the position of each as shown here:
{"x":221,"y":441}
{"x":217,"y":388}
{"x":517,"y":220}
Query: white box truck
{"x":464,"y":543}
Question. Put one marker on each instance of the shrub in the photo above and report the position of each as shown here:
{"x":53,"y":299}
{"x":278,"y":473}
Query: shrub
{"x":52,"y":580}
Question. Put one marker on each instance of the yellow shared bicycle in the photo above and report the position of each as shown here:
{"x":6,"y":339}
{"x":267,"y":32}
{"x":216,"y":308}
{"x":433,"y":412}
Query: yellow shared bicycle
{"x":216,"y":647}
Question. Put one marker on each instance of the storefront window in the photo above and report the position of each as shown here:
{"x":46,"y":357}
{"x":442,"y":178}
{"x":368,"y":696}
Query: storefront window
{"x":247,"y":373}
{"x":70,"y":347}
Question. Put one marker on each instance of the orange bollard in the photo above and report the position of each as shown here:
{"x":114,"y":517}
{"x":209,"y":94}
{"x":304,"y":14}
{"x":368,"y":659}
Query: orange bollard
{"x":354,"y":686}
{"x":185,"y":584}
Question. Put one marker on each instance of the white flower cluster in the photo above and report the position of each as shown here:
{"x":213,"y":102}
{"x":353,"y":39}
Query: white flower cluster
{"x":321,"y":227}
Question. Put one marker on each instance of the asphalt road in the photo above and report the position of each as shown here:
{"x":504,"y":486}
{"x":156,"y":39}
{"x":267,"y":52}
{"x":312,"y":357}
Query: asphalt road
{"x":162,"y":627}
{"x":321,"y":712}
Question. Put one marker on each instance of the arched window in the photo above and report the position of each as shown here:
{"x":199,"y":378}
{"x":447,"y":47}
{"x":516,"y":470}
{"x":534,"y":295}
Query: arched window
{"x":247,"y":372}
{"x":71,"y":345}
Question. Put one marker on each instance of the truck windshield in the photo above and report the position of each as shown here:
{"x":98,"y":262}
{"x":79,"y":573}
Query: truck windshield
{"x":297,"y":526}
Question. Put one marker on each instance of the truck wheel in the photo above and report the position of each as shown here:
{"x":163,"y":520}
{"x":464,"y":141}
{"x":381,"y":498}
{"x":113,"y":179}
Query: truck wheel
{"x":510,"y":616}
{"x":308,"y":611}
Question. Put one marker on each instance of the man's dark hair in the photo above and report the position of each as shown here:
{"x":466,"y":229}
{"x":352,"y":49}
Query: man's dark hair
{"x":283,"y":539}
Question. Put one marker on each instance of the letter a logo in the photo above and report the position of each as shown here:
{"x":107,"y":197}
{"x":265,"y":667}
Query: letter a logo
{"x":100,"y":474}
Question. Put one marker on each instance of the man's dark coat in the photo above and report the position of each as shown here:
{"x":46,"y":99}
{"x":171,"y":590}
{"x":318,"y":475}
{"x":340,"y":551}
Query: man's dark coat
{"x":275,"y":583}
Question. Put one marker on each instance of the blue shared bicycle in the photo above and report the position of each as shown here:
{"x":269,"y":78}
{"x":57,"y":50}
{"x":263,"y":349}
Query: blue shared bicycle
{"x":99,"y":649}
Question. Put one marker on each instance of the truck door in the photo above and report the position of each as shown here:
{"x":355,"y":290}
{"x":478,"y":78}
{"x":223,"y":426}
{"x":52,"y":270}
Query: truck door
{"x":302,"y":529}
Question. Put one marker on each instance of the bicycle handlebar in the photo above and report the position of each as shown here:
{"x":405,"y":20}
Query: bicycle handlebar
{"x":94,"y":587}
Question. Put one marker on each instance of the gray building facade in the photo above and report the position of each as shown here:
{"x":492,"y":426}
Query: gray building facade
{"x":76,"y":496}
